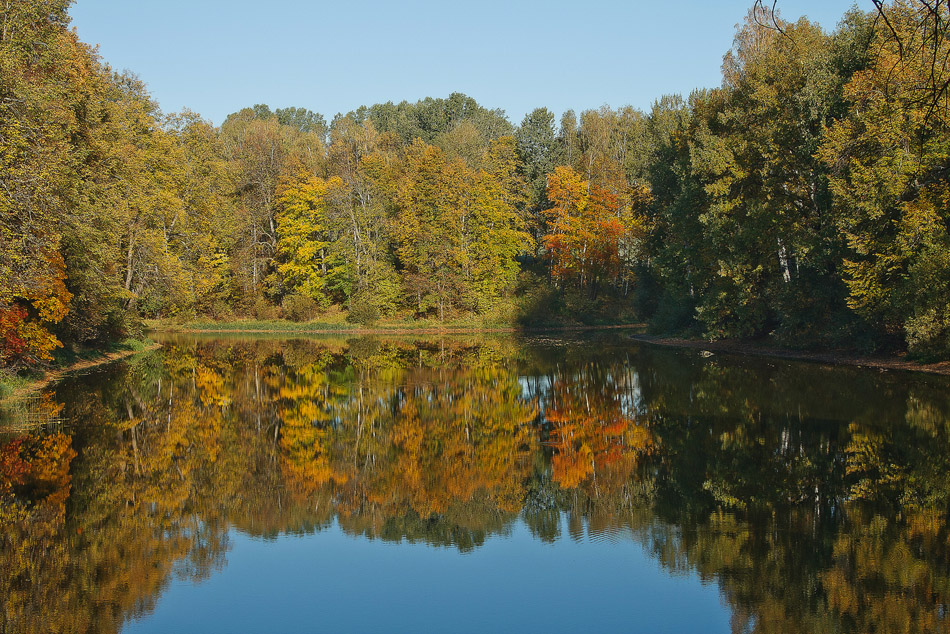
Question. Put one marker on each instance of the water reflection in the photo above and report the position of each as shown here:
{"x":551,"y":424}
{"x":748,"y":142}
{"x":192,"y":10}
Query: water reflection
{"x":816,"y":498}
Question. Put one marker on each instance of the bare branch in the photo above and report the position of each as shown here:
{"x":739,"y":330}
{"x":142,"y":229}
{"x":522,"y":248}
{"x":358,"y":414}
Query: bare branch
{"x":879,"y":5}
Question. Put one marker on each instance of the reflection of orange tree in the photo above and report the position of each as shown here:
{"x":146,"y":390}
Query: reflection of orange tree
{"x":173,"y":455}
{"x":593,"y":430}
{"x":34,"y":487}
{"x":35,"y":468}
{"x":437,"y":444}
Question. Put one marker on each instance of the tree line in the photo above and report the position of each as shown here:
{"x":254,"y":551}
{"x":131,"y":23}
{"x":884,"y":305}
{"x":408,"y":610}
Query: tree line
{"x":805,"y":199}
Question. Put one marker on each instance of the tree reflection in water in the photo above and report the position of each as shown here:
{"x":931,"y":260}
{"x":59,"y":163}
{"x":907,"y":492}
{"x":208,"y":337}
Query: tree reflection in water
{"x":817,"y":498}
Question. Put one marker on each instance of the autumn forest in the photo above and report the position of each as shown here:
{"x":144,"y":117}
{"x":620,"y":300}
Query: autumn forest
{"x":806,"y":200}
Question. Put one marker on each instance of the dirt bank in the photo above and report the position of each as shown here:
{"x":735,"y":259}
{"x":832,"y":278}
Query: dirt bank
{"x":831,"y":357}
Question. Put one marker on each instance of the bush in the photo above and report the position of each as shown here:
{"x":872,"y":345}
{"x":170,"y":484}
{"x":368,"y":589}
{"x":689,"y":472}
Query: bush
{"x":363,"y":312}
{"x":296,"y":307}
{"x":9,"y":382}
{"x":928,"y":335}
{"x":674,"y":314}
{"x":540,"y":303}
{"x":264,"y":310}
{"x":221,"y":311}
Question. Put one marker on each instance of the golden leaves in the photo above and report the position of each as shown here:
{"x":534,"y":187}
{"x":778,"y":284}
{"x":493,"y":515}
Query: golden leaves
{"x":591,"y":234}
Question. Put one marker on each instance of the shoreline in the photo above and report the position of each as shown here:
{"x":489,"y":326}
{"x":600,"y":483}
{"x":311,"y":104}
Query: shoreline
{"x":722,"y":346}
{"x":395,"y":330}
{"x":831,"y":358}
{"x":57,"y":374}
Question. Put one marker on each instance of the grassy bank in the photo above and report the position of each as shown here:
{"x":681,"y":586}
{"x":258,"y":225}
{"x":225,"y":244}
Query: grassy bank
{"x":534,"y":308}
{"x":391,"y":326}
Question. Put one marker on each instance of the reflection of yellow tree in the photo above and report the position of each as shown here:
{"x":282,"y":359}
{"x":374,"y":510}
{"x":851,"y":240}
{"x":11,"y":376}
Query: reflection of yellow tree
{"x":875,"y":473}
{"x":880,"y":576}
{"x":311,"y":404}
{"x":121,"y":518}
{"x":461,"y":435}
{"x":165,"y":467}
{"x":888,"y":577}
{"x":438,"y":442}
{"x":381,"y":437}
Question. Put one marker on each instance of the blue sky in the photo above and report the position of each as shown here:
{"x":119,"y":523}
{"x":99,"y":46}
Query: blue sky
{"x":218,"y":56}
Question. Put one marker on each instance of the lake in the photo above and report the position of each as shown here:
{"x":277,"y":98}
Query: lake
{"x":474,"y":484}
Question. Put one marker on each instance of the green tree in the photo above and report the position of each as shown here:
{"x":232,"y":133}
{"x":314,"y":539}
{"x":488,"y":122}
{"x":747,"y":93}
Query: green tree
{"x":769,"y":221}
{"x":889,"y":158}
{"x":359,"y":216}
{"x":428,"y":232}
{"x":537,"y":150}
{"x":303,"y":246}
{"x":680,"y":265}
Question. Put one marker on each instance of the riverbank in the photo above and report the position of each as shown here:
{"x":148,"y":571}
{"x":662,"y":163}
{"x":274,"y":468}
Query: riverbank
{"x":421,"y":327}
{"x":16,"y":387}
{"x":764,"y":350}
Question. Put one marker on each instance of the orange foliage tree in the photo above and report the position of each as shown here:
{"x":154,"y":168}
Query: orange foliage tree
{"x":26,"y":312}
{"x":591,"y":235}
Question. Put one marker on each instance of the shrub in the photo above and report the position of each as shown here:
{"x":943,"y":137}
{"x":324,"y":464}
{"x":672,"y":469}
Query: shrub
{"x":363,"y":312}
{"x":928,"y":335}
{"x":297,"y":307}
{"x":264,"y":310}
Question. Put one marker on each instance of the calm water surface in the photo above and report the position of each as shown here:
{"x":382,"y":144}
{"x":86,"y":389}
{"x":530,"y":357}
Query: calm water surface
{"x":475,"y":485}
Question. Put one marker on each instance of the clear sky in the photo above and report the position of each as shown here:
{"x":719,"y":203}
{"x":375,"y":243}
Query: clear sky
{"x":217,"y":56}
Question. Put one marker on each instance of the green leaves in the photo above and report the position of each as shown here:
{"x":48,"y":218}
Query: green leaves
{"x":889,"y":160}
